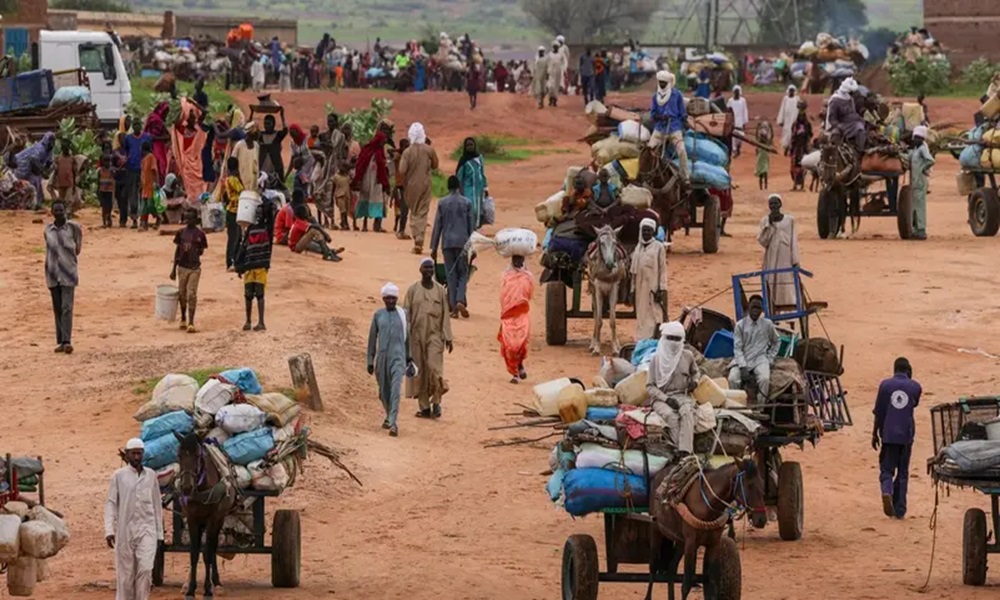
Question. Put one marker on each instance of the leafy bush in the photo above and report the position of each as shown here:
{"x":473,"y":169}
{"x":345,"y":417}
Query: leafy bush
{"x":499,"y":148}
{"x":979,"y":73}
{"x":363,"y":121}
{"x":922,"y":76}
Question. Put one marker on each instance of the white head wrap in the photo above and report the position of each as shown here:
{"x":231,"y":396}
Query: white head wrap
{"x":774,"y":197}
{"x":560,"y":39}
{"x":135,"y":444}
{"x":416,"y":134}
{"x":541,"y":48}
{"x":390,"y":289}
{"x":663,"y":76}
{"x":648,"y":222}
{"x":426,"y":261}
{"x":849,"y":86}
{"x":668,"y":353}
{"x":663,"y":94}
{"x":737,"y":88}
{"x":792,"y":88}
{"x":920,"y":131}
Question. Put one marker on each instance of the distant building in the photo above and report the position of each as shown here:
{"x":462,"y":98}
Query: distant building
{"x":216,"y":27}
{"x":967,"y":28}
{"x":19,"y":29}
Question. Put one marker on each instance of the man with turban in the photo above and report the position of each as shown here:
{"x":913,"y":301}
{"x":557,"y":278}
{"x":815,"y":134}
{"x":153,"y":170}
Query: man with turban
{"x":430,"y":333}
{"x":673,"y":375}
{"x":389,"y":354}
{"x":842,"y":115}
{"x":133,"y":523}
{"x":669,"y":115}
{"x":649,"y":280}
{"x":418,"y":161}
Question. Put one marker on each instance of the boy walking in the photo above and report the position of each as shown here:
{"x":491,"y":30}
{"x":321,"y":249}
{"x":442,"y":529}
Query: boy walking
{"x":150,"y":175}
{"x":65,"y":171}
{"x":191,"y":244}
{"x":253,"y":262}
{"x":342,"y":194}
{"x":897,"y":398}
{"x":106,"y":189}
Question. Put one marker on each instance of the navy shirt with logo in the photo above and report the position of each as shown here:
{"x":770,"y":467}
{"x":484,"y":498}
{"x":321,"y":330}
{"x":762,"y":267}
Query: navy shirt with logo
{"x":897,"y":397}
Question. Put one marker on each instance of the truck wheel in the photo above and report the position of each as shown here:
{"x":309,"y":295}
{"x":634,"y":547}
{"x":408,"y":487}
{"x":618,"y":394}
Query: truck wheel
{"x":904,"y":213}
{"x":730,"y":583}
{"x":579,"y":568}
{"x":791,"y":504}
{"x":555,"y":313}
{"x":974,"y":547}
{"x":984,"y":212}
{"x":827,"y":222}
{"x":711,"y":225}
{"x":286,"y":549}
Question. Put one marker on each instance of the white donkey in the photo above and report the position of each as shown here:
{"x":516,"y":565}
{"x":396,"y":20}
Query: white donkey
{"x":607,"y":268}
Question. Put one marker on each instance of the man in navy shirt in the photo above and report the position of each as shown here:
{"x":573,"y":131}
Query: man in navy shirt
{"x":897,"y":397}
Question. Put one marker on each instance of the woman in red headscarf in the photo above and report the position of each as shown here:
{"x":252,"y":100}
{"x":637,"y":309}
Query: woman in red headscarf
{"x":156,"y":127}
{"x":371,"y":179}
{"x":189,"y":139}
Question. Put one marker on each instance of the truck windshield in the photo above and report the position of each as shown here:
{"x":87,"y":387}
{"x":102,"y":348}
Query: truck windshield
{"x":93,"y":60}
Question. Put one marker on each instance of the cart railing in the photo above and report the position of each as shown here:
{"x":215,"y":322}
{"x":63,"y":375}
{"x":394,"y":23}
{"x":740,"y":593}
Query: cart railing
{"x":948,"y":420}
{"x":828,"y":400}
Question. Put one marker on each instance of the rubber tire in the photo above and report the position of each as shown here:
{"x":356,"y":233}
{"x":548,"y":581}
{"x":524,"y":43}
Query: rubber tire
{"x":730,"y":570}
{"x":158,"y":567}
{"x":711,"y":227}
{"x":286,"y":549}
{"x":974,"y":547}
{"x":791,"y":501}
{"x":989,"y":201}
{"x":580,"y":568}
{"x":823,"y":216}
{"x":904,"y":213}
{"x":555,"y":313}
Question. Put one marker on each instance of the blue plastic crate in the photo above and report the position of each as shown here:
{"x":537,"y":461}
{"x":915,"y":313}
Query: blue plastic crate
{"x":32,"y":89}
{"x":720,"y":345}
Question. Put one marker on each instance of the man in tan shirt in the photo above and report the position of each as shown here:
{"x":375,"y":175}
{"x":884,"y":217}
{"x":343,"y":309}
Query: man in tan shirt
{"x":419,"y":161}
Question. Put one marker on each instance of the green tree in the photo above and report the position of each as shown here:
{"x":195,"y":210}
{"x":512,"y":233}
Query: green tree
{"x":816,"y":16}
{"x":592,"y":20}
{"x":93,"y":5}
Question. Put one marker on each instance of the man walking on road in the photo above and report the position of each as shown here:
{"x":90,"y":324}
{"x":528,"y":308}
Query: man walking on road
{"x":63,"y":242}
{"x":430,"y":334}
{"x":897,"y":397}
{"x":418,"y":162}
{"x":452,"y":229}
{"x":133,"y":523}
{"x":389,"y":354}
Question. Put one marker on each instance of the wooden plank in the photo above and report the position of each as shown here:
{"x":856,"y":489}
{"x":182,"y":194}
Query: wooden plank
{"x":304,"y":381}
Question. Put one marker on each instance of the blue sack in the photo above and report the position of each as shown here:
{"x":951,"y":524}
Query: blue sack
{"x":161,"y":452}
{"x":243,"y":378}
{"x":590,"y":490}
{"x":602,"y":413}
{"x":644,"y":350}
{"x":701,"y":147}
{"x":710,"y":175}
{"x":247,"y":447}
{"x":970,"y":157}
{"x":177,"y":421}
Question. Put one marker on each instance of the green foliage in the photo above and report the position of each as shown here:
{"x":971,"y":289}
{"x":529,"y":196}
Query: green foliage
{"x":81,"y":141}
{"x":816,"y":16}
{"x":119,"y":6}
{"x":430,"y":39}
{"x":979,"y":73}
{"x":364,"y":121}
{"x":24,"y":63}
{"x":439,"y":184}
{"x":494,"y":148}
{"x":923,"y":76}
{"x":144,"y":99}
{"x":592,"y":20}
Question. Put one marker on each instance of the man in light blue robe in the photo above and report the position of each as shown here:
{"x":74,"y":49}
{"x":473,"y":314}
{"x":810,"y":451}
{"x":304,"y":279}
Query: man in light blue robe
{"x":389,"y":354}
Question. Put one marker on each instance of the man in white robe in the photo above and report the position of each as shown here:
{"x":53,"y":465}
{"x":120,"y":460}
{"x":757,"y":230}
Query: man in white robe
{"x":555,"y":74}
{"x":133,"y":523}
{"x":563,"y":62}
{"x":540,"y":77}
{"x":780,"y":240}
{"x":649,"y":281}
{"x":741,"y":116}
{"x":787,"y":115}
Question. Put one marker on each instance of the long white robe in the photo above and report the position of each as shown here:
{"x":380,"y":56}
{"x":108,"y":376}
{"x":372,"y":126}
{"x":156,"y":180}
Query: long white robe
{"x":564,"y":65}
{"x":555,"y":74}
{"x":781,"y":251}
{"x":741,"y":113}
{"x":787,"y":115}
{"x":134,"y":515}
{"x":649,"y":275}
{"x":539,"y":77}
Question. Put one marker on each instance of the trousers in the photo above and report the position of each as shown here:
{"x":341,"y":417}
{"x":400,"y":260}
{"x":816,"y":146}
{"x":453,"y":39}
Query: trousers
{"x":676,"y":140}
{"x":680,"y":422}
{"x":894,"y":474}
{"x":233,"y":234}
{"x":134,"y":566}
{"x":762,"y":373}
{"x":919,"y":196}
{"x":587,"y":88}
{"x":417,"y":215}
{"x":187,"y":285}
{"x":456,"y":267}
{"x":131,"y":186}
{"x":62,"y":308}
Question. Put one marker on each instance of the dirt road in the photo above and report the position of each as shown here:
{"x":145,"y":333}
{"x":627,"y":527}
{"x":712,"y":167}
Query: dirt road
{"x":439,"y":516}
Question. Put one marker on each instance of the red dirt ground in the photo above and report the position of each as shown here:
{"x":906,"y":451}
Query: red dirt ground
{"x":439,"y":515}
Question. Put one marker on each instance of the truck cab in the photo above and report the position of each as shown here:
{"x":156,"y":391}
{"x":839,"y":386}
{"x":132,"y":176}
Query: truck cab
{"x":96,"y":53}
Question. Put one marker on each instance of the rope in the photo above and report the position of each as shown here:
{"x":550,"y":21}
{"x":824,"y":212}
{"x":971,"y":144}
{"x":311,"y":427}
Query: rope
{"x":697,"y":523}
{"x":933,"y":526}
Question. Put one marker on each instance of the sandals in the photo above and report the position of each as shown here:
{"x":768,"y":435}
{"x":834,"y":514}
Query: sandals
{"x":425,"y":414}
{"x":393,"y":431}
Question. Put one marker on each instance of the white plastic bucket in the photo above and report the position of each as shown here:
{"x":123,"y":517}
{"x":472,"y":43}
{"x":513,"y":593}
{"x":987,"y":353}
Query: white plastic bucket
{"x":167,"y":299}
{"x":246,"y":213}
{"x":993,"y":429}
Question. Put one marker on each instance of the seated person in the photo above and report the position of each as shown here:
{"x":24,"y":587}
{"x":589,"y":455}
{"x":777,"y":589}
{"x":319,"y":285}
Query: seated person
{"x":286,"y":216}
{"x":306,"y":234}
{"x":673,"y":375}
{"x":605,"y":193}
{"x":755,"y":346}
{"x":173,"y":198}
{"x":576,"y":199}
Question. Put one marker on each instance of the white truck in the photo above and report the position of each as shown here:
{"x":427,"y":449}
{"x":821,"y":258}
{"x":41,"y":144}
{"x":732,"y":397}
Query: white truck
{"x":96,"y":53}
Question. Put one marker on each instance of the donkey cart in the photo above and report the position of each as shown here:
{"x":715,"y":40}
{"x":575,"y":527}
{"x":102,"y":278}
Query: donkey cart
{"x":969,"y":421}
{"x":842,"y":196}
{"x":244,"y":533}
{"x":629,"y":539}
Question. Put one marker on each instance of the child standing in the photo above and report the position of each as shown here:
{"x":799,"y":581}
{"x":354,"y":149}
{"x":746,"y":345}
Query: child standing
{"x":149,"y":176}
{"x":106,"y":188}
{"x":257,"y":74}
{"x":65,"y":173}
{"x":253,"y":261}
{"x":231,"y":197}
{"x":342,"y":195}
{"x":313,"y":138}
{"x":763,"y":165}
{"x":191,"y":244}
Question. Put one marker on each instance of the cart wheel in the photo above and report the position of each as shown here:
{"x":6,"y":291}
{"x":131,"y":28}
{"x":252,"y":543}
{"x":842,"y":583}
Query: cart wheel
{"x":711,"y":225}
{"x":790,"y":501}
{"x":579,"y":568}
{"x":904,"y":213}
{"x":827,"y":222}
{"x":158,"y":564}
{"x":286,"y":549}
{"x":555,"y":313}
{"x":984,"y":212}
{"x":974,"y":547}
{"x":730,"y":570}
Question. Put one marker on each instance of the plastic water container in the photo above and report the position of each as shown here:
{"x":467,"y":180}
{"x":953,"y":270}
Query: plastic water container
{"x":246,"y":213}
{"x":632,"y":389}
{"x":572,"y":403}
{"x":167,"y":299}
{"x":709,"y":391}
{"x":547,"y":396}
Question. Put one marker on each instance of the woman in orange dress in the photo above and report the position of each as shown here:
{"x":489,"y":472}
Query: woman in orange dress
{"x":515,"y":322}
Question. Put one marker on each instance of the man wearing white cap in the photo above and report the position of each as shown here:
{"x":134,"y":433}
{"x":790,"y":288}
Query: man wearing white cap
{"x":563,"y":61}
{"x":649,"y":281}
{"x":246,"y":152}
{"x":539,"y":76}
{"x":133,"y":523}
{"x":921,"y":161}
{"x":669,"y":115}
{"x":389,"y":354}
{"x":842,"y":115}
{"x":430,"y":333}
{"x":555,"y":72}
